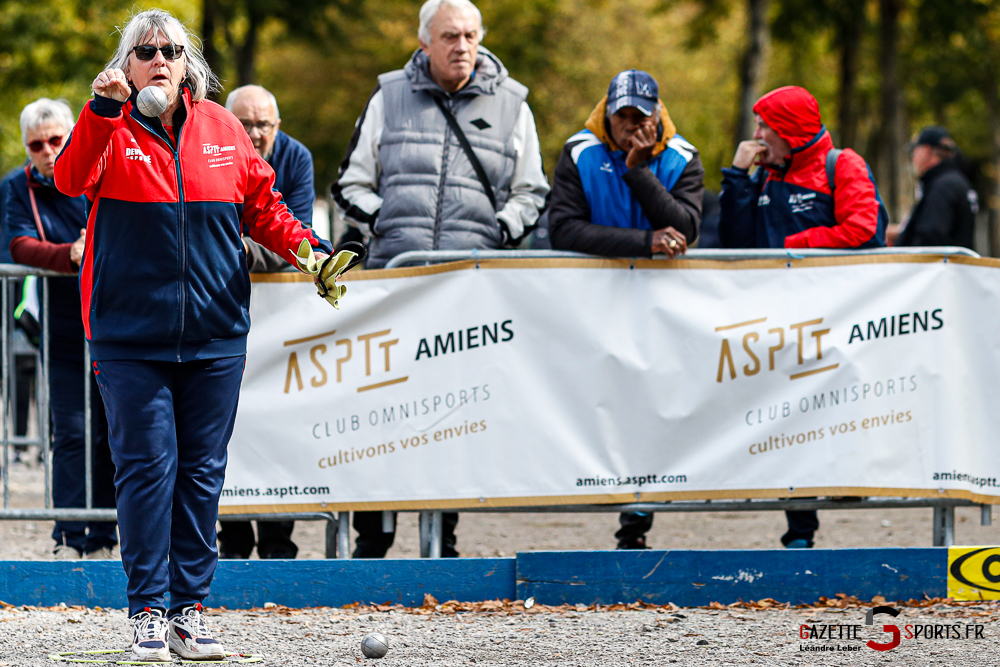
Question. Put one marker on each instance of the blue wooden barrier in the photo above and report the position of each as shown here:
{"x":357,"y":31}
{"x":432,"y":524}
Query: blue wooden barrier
{"x":294,"y":583}
{"x":686,"y":578}
{"x":696,"y":578}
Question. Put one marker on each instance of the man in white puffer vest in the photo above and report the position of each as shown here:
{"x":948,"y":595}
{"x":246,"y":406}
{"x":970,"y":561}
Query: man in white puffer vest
{"x":409,"y":176}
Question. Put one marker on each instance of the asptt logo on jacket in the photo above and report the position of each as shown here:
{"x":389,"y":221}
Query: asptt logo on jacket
{"x":214,"y":149}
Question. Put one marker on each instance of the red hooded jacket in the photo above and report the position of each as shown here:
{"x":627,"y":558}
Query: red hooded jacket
{"x":792,"y":206}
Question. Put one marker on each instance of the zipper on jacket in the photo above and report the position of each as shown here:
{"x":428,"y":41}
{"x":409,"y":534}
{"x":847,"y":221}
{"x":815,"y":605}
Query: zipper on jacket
{"x":181,"y":227}
{"x":181,"y":239}
{"x":444,"y":175}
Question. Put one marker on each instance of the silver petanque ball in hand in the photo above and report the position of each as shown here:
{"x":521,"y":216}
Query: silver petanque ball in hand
{"x":152,"y":101}
{"x":374,"y":645}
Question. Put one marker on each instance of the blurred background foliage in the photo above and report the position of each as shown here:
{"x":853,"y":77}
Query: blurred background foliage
{"x":881,"y":69}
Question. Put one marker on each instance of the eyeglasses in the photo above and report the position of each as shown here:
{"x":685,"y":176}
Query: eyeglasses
{"x":37,"y":145}
{"x":262,"y":126}
{"x":148,"y":51}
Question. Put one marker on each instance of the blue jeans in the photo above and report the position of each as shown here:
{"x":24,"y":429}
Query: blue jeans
{"x":170,"y":425}
{"x":69,"y":488}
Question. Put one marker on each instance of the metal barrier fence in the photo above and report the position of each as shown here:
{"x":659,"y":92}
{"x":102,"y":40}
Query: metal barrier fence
{"x":338,"y":525}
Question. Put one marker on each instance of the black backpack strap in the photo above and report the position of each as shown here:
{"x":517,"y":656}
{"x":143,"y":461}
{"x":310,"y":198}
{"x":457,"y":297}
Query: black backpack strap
{"x":831,"y":167}
{"x":476,"y":165}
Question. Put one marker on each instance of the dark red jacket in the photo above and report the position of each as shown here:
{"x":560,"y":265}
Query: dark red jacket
{"x":164,"y":275}
{"x":793,"y":207}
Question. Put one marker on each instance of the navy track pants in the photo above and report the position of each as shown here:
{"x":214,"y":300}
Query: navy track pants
{"x":169,"y":426}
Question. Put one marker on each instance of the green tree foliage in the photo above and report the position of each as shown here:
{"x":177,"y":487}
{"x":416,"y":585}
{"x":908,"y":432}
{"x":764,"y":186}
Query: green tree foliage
{"x":798,"y":22}
{"x":565,"y":51}
{"x":55,"y":49}
{"x":232,"y":29}
{"x":954,"y":62}
{"x":322,"y":58}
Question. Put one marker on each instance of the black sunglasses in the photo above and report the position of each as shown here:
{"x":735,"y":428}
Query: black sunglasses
{"x":148,"y":51}
{"x":37,"y":145}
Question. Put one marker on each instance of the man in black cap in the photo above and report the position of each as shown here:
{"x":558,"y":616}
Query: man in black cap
{"x":628,"y":185}
{"x":946,"y":211}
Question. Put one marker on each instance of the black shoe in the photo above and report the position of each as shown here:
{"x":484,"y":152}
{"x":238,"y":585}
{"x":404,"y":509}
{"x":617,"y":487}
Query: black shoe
{"x":635,"y":543}
{"x":368,"y":551}
{"x":232,"y":555}
{"x":286,"y":553}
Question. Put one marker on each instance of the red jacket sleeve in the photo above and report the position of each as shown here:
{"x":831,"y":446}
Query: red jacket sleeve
{"x":854,"y":206}
{"x":268,"y":219}
{"x":44,"y":255}
{"x":82,"y":161}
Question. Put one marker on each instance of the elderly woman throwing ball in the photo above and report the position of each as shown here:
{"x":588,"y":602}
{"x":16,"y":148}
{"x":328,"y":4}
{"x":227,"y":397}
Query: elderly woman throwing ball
{"x":165,"y":291}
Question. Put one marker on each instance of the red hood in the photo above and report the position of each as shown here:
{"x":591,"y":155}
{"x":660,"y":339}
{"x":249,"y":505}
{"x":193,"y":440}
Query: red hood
{"x":792,"y":112}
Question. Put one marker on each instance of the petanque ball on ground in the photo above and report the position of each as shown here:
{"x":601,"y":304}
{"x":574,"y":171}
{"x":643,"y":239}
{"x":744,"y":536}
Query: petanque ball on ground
{"x":374,"y":645}
{"x":152,"y":101}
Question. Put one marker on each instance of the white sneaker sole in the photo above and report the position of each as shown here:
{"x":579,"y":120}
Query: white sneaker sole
{"x":212,"y":652}
{"x":152,"y":654}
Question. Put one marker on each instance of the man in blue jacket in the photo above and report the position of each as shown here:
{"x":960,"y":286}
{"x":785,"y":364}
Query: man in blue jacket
{"x":627,"y":186}
{"x":292,"y":162}
{"x":257,"y":109}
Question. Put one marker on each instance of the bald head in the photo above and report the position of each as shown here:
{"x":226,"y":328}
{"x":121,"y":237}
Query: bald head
{"x":258,"y":111}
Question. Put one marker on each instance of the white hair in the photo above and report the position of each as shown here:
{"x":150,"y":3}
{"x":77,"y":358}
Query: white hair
{"x":430,"y":10}
{"x":44,"y":111}
{"x":236,"y":92}
{"x":197,"y":73}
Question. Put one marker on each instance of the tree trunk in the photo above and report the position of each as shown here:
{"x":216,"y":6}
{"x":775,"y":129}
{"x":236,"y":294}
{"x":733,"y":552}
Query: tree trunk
{"x":991,"y":93}
{"x":246,"y":53}
{"x":752,"y":68}
{"x":850,"y":28}
{"x":209,"y":13}
{"x":890,"y":141}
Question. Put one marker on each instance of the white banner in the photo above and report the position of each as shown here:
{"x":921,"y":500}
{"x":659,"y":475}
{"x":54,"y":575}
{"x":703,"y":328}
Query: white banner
{"x":532,"y":382}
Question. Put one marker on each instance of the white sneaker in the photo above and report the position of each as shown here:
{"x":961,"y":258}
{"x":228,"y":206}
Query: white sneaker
{"x":190,"y":638}
{"x":65,"y":552}
{"x":149,"y":636}
{"x":103,"y":553}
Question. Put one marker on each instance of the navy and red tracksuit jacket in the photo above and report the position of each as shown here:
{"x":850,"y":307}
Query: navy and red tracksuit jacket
{"x":792,"y":206}
{"x":164,"y":274}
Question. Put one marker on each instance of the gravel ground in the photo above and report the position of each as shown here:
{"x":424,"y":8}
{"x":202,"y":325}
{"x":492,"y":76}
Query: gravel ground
{"x":488,"y":535}
{"x":497,"y":634}
{"x":565,"y":636}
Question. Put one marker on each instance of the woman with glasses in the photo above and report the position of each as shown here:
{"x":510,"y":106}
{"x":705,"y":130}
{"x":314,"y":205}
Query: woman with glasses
{"x":47,"y":230}
{"x":165,"y":307}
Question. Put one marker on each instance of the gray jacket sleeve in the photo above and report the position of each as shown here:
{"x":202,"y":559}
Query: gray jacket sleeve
{"x":529,"y":186}
{"x":262,"y":260}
